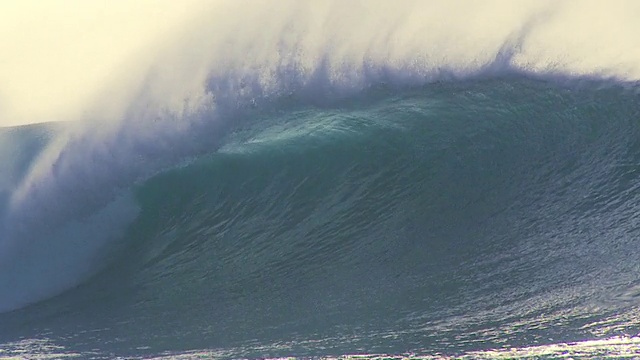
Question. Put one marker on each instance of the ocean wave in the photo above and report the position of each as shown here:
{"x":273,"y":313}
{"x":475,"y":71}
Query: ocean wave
{"x":448,"y":218}
{"x":192,"y":87}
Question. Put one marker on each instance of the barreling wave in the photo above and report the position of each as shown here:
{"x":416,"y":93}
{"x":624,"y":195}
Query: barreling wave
{"x":452,"y":217}
{"x":252,"y":104}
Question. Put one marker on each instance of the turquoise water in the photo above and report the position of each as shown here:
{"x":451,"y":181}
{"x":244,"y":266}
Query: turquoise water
{"x":446,"y":219}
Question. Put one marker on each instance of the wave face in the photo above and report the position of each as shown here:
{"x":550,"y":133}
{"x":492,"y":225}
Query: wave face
{"x":452,"y":217}
{"x":331,"y":179}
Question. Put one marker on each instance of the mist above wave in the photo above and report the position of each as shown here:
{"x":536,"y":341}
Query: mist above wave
{"x":84,"y":51}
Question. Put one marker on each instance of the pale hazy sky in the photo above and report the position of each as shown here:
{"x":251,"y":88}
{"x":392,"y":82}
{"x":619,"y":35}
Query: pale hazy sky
{"x":55,"y":55}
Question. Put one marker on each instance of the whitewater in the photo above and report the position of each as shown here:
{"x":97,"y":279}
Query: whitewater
{"x":252,"y":179}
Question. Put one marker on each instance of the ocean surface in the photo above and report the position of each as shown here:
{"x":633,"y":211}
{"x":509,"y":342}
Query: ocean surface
{"x":485,"y":211}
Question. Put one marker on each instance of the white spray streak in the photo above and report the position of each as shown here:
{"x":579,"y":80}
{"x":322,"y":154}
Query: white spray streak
{"x":59,"y":56}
